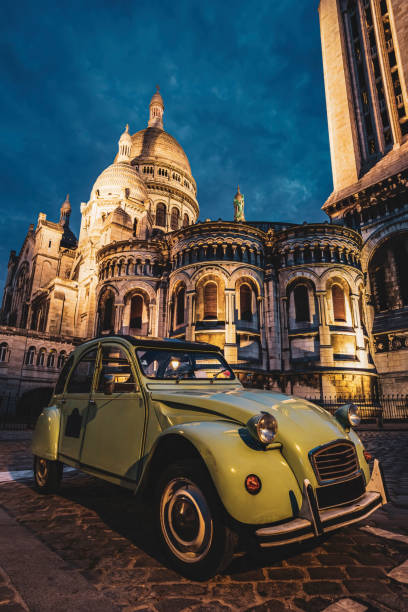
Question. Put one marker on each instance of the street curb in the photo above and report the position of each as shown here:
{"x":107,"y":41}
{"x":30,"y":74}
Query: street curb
{"x":43,"y":580}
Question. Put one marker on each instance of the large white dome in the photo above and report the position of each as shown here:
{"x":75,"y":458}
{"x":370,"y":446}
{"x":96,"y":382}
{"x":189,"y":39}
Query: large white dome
{"x":112,"y":182}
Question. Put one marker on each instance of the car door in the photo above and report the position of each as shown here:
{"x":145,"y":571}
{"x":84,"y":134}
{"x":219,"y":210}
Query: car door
{"x":116,"y":418}
{"x":74,"y":405}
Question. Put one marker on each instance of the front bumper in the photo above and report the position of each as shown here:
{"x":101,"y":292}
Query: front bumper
{"x":314,"y":522}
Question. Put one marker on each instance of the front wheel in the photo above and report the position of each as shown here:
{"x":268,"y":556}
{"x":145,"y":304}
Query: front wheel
{"x":196,"y":539}
{"x":47,"y":474}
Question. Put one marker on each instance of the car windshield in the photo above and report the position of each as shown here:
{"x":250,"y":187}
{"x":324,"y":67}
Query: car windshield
{"x":167,"y":364}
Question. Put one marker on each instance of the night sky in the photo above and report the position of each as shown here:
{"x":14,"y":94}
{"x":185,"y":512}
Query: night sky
{"x":242,"y":84}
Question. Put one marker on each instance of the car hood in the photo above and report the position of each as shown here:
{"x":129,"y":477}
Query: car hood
{"x":302,"y":426}
{"x":299,"y":421}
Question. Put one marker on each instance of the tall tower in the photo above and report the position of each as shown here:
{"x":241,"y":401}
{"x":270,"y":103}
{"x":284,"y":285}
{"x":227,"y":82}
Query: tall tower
{"x":365,"y":63}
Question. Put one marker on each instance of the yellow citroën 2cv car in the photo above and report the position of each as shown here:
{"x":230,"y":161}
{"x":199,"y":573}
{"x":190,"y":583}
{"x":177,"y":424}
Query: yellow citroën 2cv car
{"x":218,"y":463}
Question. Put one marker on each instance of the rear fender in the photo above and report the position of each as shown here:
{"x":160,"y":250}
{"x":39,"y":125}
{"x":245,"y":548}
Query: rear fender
{"x":230,"y":456}
{"x":46,"y":434}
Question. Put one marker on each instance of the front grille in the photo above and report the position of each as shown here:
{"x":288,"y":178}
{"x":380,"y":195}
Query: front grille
{"x":340,"y":493}
{"x":334,"y":461}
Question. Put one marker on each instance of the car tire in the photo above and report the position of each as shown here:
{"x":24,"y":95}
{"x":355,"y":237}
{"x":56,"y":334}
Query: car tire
{"x":47,"y":475}
{"x":194,"y":535}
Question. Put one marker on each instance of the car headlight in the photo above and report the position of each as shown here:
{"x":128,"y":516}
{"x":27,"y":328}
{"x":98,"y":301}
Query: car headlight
{"x":348,"y":415}
{"x":263,"y":427}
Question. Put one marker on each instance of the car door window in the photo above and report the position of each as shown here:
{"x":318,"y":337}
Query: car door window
{"x":59,"y":387}
{"x":116,"y":363}
{"x":81,"y":378}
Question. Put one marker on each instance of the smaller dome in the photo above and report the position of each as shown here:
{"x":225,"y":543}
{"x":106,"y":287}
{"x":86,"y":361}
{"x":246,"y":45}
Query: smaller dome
{"x":117,"y":177}
{"x":238,"y":195}
{"x":120,"y":216}
{"x":126,"y":137}
{"x":156,"y":98}
{"x":66,"y":206}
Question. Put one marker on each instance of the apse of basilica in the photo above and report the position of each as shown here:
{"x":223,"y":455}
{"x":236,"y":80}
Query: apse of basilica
{"x":320,"y":308}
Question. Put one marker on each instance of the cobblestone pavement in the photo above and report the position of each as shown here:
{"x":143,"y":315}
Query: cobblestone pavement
{"x":104,"y":533}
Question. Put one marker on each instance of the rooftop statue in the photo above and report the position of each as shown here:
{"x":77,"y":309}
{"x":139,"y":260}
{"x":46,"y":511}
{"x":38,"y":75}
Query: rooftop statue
{"x":239,"y":206}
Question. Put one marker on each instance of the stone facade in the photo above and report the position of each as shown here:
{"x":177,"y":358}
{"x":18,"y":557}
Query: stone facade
{"x":321,"y":309}
{"x":365,"y":60}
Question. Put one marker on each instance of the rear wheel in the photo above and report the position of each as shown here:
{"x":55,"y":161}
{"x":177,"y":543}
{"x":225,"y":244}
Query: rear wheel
{"x":196,"y":539}
{"x":47,"y":474}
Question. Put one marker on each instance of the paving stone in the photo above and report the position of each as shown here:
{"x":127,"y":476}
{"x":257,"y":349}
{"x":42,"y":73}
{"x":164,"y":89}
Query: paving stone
{"x":212,"y":606}
{"x":346,"y":605}
{"x":279,"y":589}
{"x":366,"y":587}
{"x":272,"y":605}
{"x":359,"y":571}
{"x":315,"y":604}
{"x":323,"y":588}
{"x":285,"y":573}
{"x":335,"y":559}
{"x":176,"y":604}
{"x":326,"y":573}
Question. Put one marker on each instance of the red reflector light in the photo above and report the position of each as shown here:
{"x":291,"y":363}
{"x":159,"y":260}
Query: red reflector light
{"x":367,"y":456}
{"x":253,"y":484}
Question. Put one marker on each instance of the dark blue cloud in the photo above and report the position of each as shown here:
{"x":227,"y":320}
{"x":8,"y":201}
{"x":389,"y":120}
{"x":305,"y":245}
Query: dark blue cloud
{"x":242,"y":84}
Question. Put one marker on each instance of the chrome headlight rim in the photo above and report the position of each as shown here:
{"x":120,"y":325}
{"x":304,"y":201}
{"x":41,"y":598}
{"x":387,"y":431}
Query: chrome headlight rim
{"x":348,"y":416}
{"x":353,"y":415}
{"x":263,"y":427}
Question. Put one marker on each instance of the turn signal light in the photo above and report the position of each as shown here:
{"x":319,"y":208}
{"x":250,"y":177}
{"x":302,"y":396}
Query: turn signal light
{"x":367,"y":455}
{"x":253,"y":484}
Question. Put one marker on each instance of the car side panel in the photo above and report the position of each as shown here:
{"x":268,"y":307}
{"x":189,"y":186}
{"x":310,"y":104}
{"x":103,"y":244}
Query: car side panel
{"x":230,"y":460}
{"x":46,"y":434}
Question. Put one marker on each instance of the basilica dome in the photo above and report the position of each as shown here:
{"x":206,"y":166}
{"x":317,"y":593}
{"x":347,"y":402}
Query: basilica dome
{"x":117,"y":178}
{"x":155,"y":142}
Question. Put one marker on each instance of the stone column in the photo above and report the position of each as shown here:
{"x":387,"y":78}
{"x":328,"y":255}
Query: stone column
{"x":118,"y":317}
{"x":151,"y":319}
{"x":326,"y":349}
{"x":230,"y":348}
{"x":285,"y":332}
{"x":190,"y":328}
{"x":358,"y":328}
{"x":261,"y":315}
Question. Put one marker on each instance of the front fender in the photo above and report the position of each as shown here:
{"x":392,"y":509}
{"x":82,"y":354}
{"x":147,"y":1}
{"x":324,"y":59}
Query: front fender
{"x":230,"y":457}
{"x":46,"y":434}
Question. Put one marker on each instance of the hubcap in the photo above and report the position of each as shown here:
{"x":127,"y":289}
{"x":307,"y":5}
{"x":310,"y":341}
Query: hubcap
{"x":41,"y":472}
{"x":186,"y":520}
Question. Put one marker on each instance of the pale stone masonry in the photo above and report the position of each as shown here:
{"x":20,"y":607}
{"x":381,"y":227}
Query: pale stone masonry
{"x":365,"y":61}
{"x":318,"y":309}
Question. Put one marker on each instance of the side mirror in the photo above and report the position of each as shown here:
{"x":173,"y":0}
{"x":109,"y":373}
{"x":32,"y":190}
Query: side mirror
{"x":108,"y":384}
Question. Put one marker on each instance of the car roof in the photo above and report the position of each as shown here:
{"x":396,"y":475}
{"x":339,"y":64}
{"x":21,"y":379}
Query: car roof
{"x":160,"y":343}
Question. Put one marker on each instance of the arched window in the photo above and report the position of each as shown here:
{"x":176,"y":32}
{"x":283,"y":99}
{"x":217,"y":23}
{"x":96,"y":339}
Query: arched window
{"x":185,"y":220}
{"x":51,"y":359}
{"x":106,"y":311}
{"x":29,"y":360}
{"x":301,"y":297}
{"x":339,"y":305}
{"x":174,"y":219}
{"x":61,"y":359}
{"x":245,"y":301}
{"x":210,"y":301}
{"x":180,"y":299}
{"x":3,"y":351}
{"x":41,"y":357}
{"x":136,"y":312}
{"x":161,"y":214}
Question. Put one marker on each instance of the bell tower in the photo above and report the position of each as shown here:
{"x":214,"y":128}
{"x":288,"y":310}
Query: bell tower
{"x":365,"y":63}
